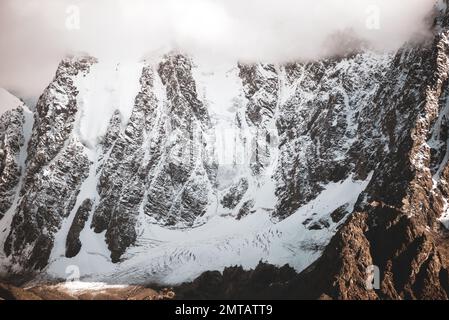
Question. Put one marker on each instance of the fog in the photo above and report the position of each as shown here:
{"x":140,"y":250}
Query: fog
{"x":35,"y":35}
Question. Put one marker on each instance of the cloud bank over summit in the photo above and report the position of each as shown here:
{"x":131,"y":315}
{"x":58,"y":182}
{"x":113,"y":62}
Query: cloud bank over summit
{"x":35,"y":35}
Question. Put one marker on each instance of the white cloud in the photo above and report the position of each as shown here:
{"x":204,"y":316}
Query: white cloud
{"x":34,"y":35}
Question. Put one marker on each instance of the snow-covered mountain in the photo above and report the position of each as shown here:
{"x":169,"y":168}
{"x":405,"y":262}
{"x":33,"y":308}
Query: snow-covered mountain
{"x":162,"y":169}
{"x":176,"y":167}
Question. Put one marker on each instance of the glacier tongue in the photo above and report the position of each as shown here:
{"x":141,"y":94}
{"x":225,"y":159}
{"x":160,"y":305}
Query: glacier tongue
{"x":174,"y":256}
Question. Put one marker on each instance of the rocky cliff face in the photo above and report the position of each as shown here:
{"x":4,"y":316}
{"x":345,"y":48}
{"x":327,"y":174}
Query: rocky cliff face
{"x":12,"y":140}
{"x":160,"y":170}
{"x":398,"y":223}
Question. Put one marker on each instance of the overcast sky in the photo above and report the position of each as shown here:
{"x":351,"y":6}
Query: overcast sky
{"x":35,"y":35}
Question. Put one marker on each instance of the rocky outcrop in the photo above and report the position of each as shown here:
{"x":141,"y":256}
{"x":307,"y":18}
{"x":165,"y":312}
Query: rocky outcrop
{"x":265,"y":282}
{"x":326,"y":127}
{"x":73,"y":243}
{"x":11,"y":141}
{"x":234,"y":195}
{"x":56,"y":167}
{"x":54,"y":117}
{"x":158,"y":165}
{"x":179,"y":186}
{"x":123,"y":173}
